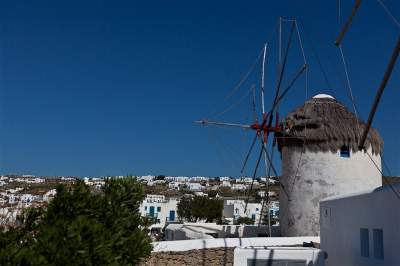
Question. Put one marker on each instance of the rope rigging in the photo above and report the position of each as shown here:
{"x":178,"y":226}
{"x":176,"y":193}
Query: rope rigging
{"x":305,"y":126}
{"x":311,"y":41}
{"x":391,"y":16}
{"x":380,"y":89}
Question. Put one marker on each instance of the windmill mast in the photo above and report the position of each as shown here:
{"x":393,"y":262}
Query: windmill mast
{"x":266,"y":197}
{"x":266,"y":126}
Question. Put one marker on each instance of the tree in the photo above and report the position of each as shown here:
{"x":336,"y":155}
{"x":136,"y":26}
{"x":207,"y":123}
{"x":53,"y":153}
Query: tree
{"x":244,"y":220}
{"x":197,"y":208}
{"x":212,"y":193}
{"x":184,"y":209}
{"x":82,"y":228}
{"x":160,"y":177}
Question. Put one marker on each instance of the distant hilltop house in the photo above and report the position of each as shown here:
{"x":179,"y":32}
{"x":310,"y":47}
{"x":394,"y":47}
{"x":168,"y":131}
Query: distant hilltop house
{"x":195,"y":186}
{"x":225,"y":178}
{"x":177,"y":178}
{"x":147,"y":178}
{"x":96,"y":182}
{"x":238,"y":187}
{"x":320,"y":159}
{"x":246,"y":180}
{"x":198,"y":178}
{"x":226,"y":183}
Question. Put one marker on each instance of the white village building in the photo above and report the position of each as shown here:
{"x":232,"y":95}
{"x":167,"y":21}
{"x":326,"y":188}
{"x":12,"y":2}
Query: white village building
{"x":177,"y":178}
{"x":238,"y":187}
{"x":147,"y":178}
{"x":160,"y":208}
{"x":195,"y":186}
{"x":236,"y":208}
{"x":362,"y":229}
{"x":224,"y":178}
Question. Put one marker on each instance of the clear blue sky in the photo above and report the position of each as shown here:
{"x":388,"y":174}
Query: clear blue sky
{"x":112,"y":87}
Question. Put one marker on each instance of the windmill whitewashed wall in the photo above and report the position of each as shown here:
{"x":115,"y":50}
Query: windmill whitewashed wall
{"x":310,"y":175}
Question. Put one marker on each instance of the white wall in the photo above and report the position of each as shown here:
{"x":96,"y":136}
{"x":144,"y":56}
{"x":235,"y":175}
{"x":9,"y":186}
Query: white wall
{"x":211,"y":230}
{"x":319,"y":175}
{"x":184,"y":245}
{"x":342,"y":218}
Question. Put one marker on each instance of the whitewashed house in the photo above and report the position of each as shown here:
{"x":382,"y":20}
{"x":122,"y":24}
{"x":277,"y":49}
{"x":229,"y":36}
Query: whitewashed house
{"x":362,"y":229}
{"x":49,"y":195}
{"x":261,"y":193}
{"x":160,"y":208}
{"x":198,"y":178}
{"x":238,"y":187}
{"x":27,"y":198}
{"x":195,"y":186}
{"x":226,"y":183}
{"x":177,"y":178}
{"x":12,"y":199}
{"x":236,"y":208}
{"x":224,"y":178}
{"x":174,"y":185}
{"x":147,"y":178}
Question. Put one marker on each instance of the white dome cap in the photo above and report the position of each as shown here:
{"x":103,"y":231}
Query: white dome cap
{"x":320,"y":96}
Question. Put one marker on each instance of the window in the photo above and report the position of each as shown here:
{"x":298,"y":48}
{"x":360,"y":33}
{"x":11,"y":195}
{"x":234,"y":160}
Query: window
{"x":151,"y":213}
{"x":378,"y":244}
{"x":345,"y":152}
{"x":253,"y":216}
{"x":364,"y":242}
{"x":256,"y":209}
{"x":158,"y":209}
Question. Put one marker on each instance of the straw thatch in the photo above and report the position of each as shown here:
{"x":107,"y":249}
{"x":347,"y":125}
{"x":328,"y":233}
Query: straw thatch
{"x":324,"y":124}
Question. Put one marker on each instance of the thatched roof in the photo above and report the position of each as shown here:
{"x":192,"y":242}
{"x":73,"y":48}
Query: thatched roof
{"x":324,"y":124}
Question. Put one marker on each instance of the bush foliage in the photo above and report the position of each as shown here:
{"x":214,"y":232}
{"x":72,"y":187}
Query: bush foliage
{"x":81,"y":228}
{"x":244,"y":220}
{"x":193,"y":209}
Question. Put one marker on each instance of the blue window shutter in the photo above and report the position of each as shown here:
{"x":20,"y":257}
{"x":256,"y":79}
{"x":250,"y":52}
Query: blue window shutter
{"x":378,"y":244}
{"x":364,"y":242}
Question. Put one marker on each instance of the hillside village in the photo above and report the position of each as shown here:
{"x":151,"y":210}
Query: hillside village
{"x":18,"y":192}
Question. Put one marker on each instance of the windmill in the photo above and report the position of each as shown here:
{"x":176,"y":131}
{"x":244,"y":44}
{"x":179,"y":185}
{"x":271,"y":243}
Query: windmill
{"x":267,"y":129}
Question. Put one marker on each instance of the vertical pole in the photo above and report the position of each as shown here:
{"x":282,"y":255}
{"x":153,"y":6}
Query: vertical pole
{"x":263,"y":80}
{"x":267,"y":166}
{"x":280,"y":42}
{"x":262,"y":136}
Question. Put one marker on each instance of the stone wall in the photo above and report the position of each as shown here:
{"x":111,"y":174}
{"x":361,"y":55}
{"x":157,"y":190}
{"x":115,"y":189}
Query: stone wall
{"x":201,"y":257}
